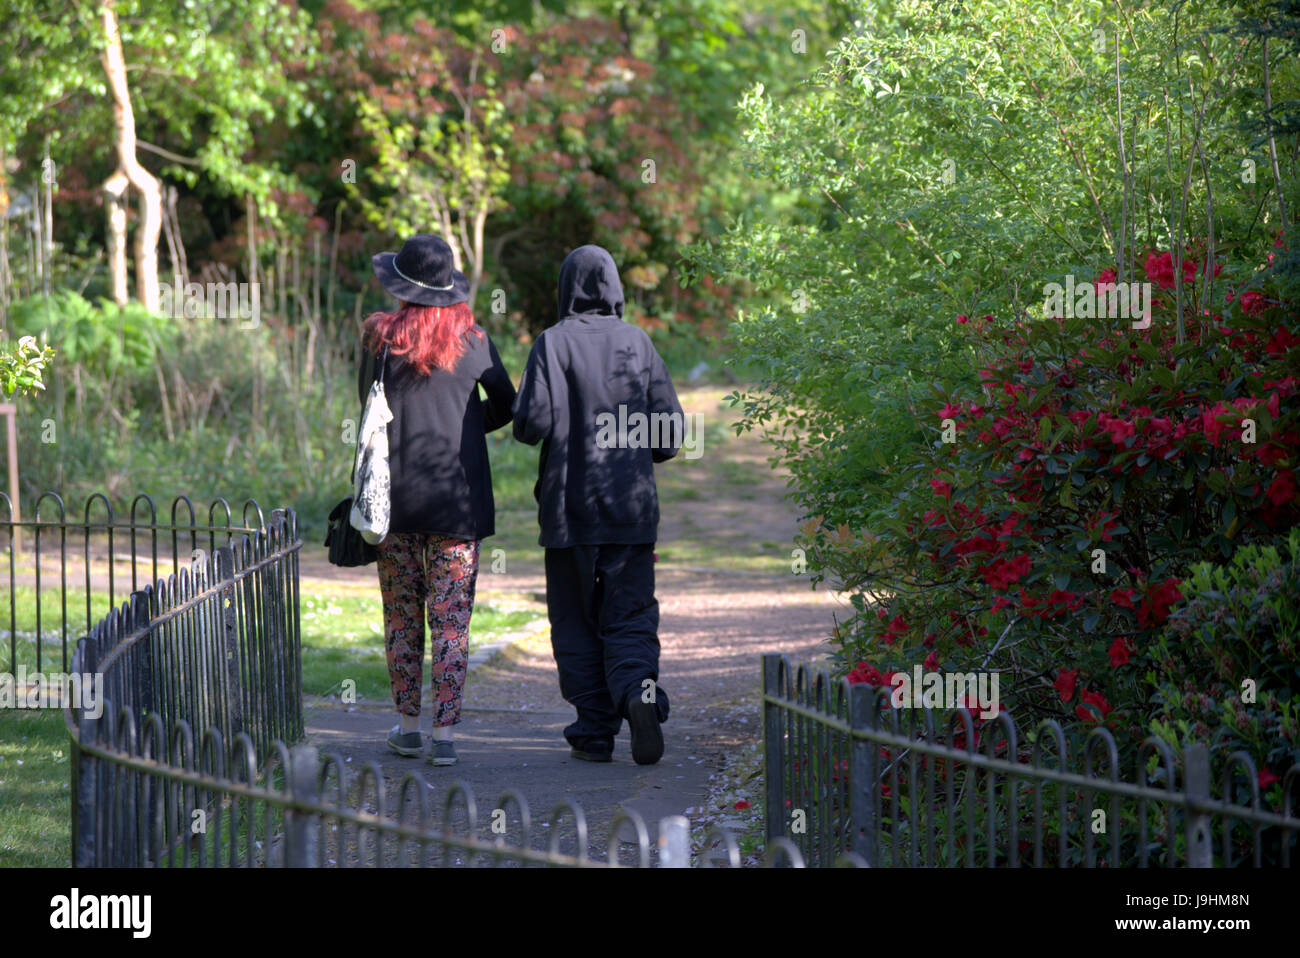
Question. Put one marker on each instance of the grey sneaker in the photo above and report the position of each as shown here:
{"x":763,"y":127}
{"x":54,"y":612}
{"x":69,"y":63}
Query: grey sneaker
{"x":443,"y":752}
{"x":410,"y":744}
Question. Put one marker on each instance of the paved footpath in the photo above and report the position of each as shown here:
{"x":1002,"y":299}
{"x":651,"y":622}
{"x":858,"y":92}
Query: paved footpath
{"x":714,"y":628}
{"x":724,"y":508}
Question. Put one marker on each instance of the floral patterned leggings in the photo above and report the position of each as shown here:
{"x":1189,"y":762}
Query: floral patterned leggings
{"x":418,"y":571}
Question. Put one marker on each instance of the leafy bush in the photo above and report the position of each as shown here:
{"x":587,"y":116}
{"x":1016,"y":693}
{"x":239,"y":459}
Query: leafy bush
{"x":1048,"y":537}
{"x":102,"y":338}
{"x":946,"y":159}
{"x":22,"y":365}
{"x":1240,"y":621}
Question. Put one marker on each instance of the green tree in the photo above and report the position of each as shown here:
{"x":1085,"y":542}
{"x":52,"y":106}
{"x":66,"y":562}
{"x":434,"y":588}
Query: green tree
{"x":197,"y":88}
{"x":953,"y":159}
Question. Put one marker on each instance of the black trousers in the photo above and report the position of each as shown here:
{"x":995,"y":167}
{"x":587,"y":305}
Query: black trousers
{"x":604,"y":633}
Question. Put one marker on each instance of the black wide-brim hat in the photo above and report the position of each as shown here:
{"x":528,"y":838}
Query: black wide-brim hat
{"x":422,"y":272}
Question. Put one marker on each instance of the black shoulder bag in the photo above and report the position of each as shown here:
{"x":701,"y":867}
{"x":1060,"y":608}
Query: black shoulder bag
{"x":346,"y":546}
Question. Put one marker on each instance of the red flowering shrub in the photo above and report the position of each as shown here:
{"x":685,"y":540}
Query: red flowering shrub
{"x":1046,"y":531}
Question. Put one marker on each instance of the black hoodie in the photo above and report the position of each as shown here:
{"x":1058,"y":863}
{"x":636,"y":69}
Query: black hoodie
{"x":579,"y":373}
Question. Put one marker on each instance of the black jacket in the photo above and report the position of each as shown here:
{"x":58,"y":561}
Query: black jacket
{"x":437,"y":453}
{"x":579,"y":373}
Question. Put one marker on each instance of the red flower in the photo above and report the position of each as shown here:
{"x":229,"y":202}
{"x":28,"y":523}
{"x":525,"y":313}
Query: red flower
{"x":941,"y":488}
{"x":963,"y":320}
{"x":1252,"y":302}
{"x":1003,"y":572}
{"x":895,"y":629}
{"x":1267,"y":778}
{"x":863,"y":672}
{"x":1095,"y":699}
{"x":1160,"y":270}
{"x":1270,"y":454}
{"x":931,"y":662}
{"x":1157,"y":602}
{"x":1282,"y":340}
{"x":1211,"y":425}
{"x":1125,"y":598}
{"x":1064,"y":683}
{"x":743,"y":804}
{"x":1028,"y":604}
{"x":1119,"y":653}
{"x":1282,"y":489}
{"x":1119,"y":429}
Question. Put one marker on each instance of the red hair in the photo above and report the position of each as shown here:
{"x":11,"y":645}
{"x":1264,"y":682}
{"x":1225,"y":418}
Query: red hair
{"x":427,"y":336}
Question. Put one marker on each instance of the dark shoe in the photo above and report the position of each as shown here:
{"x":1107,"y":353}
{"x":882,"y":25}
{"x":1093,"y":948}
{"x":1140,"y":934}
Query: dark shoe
{"x":593,"y":751}
{"x":443,"y":752}
{"x":647,"y":736}
{"x":410,"y":744}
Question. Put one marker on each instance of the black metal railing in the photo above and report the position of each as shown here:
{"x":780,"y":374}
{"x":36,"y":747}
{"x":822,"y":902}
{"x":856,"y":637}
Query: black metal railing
{"x":53,"y":555}
{"x":852,"y":780}
{"x":216,"y":647}
{"x":174,"y":806}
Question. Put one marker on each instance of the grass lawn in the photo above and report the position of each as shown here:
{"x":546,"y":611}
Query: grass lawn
{"x":52,"y":632}
{"x":34,"y":789}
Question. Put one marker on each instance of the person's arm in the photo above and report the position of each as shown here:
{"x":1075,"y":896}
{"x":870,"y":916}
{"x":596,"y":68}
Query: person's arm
{"x":533,"y":416}
{"x":661,"y":397}
{"x":498,"y":406}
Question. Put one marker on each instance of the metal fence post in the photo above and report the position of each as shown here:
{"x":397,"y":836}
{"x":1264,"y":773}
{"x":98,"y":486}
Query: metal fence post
{"x":1196,"y":779}
{"x":674,"y":842}
{"x":84,"y":770}
{"x":773,"y":750}
{"x":862,"y":775}
{"x":300,"y":831}
{"x":276,"y":638}
{"x":223,"y":561}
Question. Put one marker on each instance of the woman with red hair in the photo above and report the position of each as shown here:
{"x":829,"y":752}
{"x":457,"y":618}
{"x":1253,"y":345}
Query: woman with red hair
{"x":433,"y":358}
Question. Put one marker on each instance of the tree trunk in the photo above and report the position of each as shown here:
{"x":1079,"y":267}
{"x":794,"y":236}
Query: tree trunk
{"x":476,"y":275}
{"x":115,"y":206}
{"x":47,"y":252}
{"x":146,"y":237}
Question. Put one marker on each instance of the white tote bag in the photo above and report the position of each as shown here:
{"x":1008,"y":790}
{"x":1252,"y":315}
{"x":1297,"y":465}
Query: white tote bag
{"x":372,"y":498}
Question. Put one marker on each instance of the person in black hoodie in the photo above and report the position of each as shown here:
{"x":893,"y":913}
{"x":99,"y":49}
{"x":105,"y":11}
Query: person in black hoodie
{"x":433,"y":358}
{"x":588,"y":378}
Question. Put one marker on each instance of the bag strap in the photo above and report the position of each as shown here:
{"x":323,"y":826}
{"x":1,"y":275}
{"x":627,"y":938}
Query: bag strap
{"x":381,"y":364}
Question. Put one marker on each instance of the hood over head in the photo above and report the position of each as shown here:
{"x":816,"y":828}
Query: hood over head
{"x":589,"y":284}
